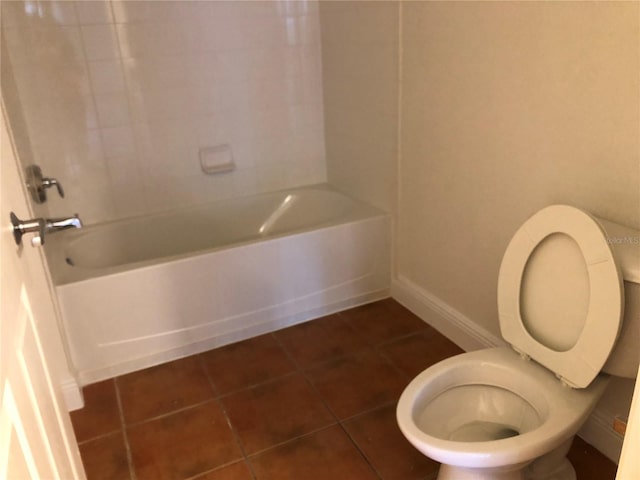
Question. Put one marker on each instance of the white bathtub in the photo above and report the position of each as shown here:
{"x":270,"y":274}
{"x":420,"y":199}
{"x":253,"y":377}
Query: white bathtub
{"x":141,"y":291}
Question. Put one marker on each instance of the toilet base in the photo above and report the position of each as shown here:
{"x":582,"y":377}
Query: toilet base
{"x":512,"y":472}
{"x":564,"y":471}
{"x":551,"y":466}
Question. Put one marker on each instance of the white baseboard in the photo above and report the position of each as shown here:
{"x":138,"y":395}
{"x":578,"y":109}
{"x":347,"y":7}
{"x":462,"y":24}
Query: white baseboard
{"x":468,"y":335}
{"x":72,"y":394}
{"x":453,"y":324}
{"x":598,"y":431}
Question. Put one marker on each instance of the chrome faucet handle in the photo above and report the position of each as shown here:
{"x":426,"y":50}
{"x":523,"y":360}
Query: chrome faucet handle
{"x":38,"y":184}
{"x":50,"y":182}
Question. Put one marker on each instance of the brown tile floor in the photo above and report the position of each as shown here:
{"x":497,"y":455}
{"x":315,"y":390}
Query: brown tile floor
{"x":313,"y":401}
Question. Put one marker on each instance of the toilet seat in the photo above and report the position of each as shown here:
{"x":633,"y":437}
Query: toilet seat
{"x":578,"y":365}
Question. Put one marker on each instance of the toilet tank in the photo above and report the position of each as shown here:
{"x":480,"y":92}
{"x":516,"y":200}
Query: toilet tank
{"x":625,"y":243}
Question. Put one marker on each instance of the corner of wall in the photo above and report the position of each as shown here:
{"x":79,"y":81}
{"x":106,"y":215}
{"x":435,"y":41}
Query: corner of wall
{"x":72,"y":394}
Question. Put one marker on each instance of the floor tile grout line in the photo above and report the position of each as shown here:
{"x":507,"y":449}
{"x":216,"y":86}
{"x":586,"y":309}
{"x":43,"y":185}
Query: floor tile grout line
{"x":219,"y":467}
{"x":286,"y":351}
{"x":338,"y":424}
{"x":362,"y":454}
{"x":398,"y":370}
{"x":99,"y":437}
{"x":395,"y":367}
{"x":205,"y":370}
{"x":387,"y":341}
{"x":367,"y":347}
{"x":123,"y":425}
{"x":357,"y":331}
{"x":168,"y":414}
{"x":399,"y":338}
{"x":234,"y":432}
{"x":309,"y":382}
{"x":291,"y":440}
{"x":365,"y":344}
{"x":430,"y":476}
{"x":315,"y":390}
{"x":338,"y":420}
{"x":324,"y":403}
{"x":259,"y":384}
{"x":368,"y":411}
{"x":298,"y":370}
{"x":336,"y":358}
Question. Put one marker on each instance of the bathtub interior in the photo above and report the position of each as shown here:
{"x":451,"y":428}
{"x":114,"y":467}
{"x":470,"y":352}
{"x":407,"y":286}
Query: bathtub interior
{"x":117,"y":246}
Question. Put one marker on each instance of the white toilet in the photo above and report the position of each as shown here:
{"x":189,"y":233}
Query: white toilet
{"x":511,"y":413}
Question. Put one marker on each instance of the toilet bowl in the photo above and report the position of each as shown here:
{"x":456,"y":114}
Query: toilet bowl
{"x":491,"y":409}
{"x":512,"y":412}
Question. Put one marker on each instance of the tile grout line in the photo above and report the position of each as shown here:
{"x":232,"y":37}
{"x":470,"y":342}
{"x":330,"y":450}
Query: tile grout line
{"x":390,"y":341}
{"x":257,"y":385}
{"x":307,"y":379}
{"x":297,"y":371}
{"x":236,"y":435}
{"x":347,"y":321}
{"x":326,"y":406}
{"x":291,"y":440}
{"x":317,"y":393}
{"x":335,"y":416}
{"x":172,"y":412}
{"x":98,"y":437}
{"x":216,"y":469}
{"x":368,"y":348}
{"x":368,"y":411}
{"x":395,"y":367}
{"x":362,"y":454}
{"x":132,"y":472}
{"x":387,"y":341}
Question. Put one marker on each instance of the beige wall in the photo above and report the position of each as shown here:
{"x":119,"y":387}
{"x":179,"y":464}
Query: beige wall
{"x":360,"y":65}
{"x":506,"y":108}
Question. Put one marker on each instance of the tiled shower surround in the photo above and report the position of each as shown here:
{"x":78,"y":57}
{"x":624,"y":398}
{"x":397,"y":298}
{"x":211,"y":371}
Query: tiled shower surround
{"x":117,"y":98}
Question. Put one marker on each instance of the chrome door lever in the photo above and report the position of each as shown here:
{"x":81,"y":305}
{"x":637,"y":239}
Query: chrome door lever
{"x":41,"y":226}
{"x":20,"y":227}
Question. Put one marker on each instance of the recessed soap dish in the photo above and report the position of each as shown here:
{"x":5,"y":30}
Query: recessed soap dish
{"x":217,"y":159}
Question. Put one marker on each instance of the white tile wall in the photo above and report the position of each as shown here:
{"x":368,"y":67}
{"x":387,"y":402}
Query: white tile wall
{"x":118,"y":97}
{"x":91,"y":13}
{"x":106,"y":76}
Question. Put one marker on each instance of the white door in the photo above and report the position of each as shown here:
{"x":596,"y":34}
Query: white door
{"x":36,"y":437}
